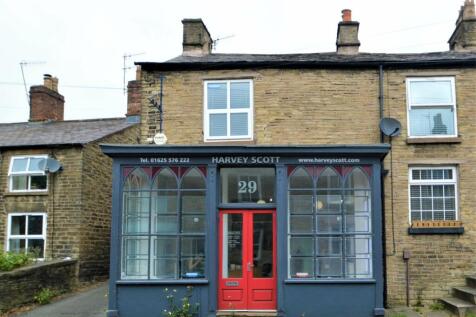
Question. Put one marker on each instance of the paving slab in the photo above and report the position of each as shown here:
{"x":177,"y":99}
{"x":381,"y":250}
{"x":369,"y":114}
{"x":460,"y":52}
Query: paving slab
{"x":90,"y":303}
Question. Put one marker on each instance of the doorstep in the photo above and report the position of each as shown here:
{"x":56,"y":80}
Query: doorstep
{"x":247,"y":313}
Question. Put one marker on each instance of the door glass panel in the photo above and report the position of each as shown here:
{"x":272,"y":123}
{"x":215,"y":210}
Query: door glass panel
{"x":248,"y":185}
{"x":263,"y":245}
{"x":232,"y":246}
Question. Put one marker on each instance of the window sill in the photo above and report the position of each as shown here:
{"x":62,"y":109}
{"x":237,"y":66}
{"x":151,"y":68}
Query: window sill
{"x":330,"y":281}
{"x":433,"y":140}
{"x":162,"y":282}
{"x":231,"y":141}
{"x":39,"y":193}
{"x":436,"y":230}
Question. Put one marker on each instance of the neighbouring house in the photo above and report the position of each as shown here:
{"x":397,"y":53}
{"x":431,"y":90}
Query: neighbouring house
{"x":55,"y":183}
{"x":299,"y":184}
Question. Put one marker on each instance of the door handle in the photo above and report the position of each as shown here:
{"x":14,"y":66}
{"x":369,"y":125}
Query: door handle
{"x":249,"y":266}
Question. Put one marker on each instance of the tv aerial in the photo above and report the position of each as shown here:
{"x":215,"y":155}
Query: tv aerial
{"x":390,"y":127}
{"x":24,"y":63}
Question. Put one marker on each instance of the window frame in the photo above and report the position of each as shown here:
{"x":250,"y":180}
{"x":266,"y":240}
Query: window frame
{"x":451,"y":79}
{"x":26,"y":236}
{"x":228,"y":111}
{"x":454,"y":181}
{"x":26,"y":173}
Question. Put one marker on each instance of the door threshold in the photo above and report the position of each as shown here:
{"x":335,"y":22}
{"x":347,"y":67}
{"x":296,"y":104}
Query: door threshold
{"x":248,"y":313}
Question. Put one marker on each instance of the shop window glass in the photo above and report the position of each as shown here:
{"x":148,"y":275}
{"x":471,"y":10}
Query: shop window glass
{"x":329,"y":234}
{"x":159,"y":214}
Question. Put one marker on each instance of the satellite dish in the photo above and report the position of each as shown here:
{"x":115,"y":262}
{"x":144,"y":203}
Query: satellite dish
{"x":50,"y":165}
{"x":390,"y":126}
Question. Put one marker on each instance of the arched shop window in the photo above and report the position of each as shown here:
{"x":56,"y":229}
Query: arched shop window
{"x":329,"y":230}
{"x":163,"y":234}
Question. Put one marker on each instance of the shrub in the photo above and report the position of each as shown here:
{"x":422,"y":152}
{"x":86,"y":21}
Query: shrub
{"x":45,"y":296}
{"x":10,"y":261}
{"x":185,"y":309}
{"x":437,"y":306}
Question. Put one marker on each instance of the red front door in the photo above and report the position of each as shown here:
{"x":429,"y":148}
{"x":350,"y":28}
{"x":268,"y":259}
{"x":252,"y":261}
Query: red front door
{"x":247,"y":260}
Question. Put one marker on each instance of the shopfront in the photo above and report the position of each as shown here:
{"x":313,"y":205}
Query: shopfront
{"x":287,"y":231}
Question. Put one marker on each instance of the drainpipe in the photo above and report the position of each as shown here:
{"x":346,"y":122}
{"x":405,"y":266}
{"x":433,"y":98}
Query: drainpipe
{"x":380,"y":96}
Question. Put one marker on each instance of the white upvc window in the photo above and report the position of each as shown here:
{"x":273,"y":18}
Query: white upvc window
{"x":228,"y":110}
{"x":433,"y":193}
{"x":27,"y":233}
{"x":27,"y":174}
{"x":431,"y":107}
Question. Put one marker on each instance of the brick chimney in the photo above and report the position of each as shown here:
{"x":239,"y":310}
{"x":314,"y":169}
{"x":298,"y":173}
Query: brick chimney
{"x":196,"y":38}
{"x":134,"y":95}
{"x":347,"y":34}
{"x":45,"y":101}
{"x":463,"y":38}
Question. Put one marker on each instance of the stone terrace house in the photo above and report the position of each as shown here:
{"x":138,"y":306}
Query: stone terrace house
{"x":59,"y":213}
{"x":277,"y":192}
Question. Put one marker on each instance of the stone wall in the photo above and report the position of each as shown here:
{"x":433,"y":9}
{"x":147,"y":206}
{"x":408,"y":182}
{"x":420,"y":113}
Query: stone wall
{"x":96,"y":212}
{"x":326,"y":106}
{"x":20,"y":286}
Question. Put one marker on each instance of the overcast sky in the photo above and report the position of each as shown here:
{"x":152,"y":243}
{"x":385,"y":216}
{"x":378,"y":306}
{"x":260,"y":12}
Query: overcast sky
{"x":83,"y":42}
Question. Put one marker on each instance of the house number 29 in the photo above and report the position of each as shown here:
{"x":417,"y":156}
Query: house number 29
{"x":247,"y":187}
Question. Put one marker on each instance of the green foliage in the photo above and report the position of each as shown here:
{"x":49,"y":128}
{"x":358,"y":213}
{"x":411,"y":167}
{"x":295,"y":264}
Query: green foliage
{"x":10,"y":261}
{"x":185,"y":309}
{"x":45,"y":296}
{"x":399,"y":315}
{"x":470,"y":314}
{"x":437,"y":306}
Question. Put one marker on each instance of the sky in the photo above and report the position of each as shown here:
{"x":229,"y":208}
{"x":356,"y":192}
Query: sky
{"x":83,"y":42}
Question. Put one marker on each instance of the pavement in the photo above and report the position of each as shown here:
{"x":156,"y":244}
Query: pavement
{"x":90,"y":303}
{"x":413,"y":312}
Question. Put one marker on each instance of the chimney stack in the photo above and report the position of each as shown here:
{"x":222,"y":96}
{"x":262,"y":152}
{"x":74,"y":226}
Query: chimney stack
{"x":45,"y":101}
{"x":463,"y":38}
{"x":347,"y":34}
{"x":196,"y":38}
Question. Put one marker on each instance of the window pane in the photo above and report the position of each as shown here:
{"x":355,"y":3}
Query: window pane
{"x":19,"y":165}
{"x":165,"y":202}
{"x":300,"y":201}
{"x":135,"y":253}
{"x":263,"y":245}
{"x":192,"y":257}
{"x":218,"y":124}
{"x":136,"y":212}
{"x":431,"y":121}
{"x":193,"y":224}
{"x":329,"y":246}
{"x":329,"y":267}
{"x":37,"y":164}
{"x":164,"y":268}
{"x":35,"y":224}
{"x":137,"y":180}
{"x":216,"y":95}
{"x":247,"y":185}
{"x":18,"y":225}
{"x":300,"y":179}
{"x":358,"y":267}
{"x":17,"y":245}
{"x":301,"y":246}
{"x":193,"y":201}
{"x":166,"y":224}
{"x":165,"y":180}
{"x":193,"y":246}
{"x":301,"y":224}
{"x":38,"y":182}
{"x":239,"y":95}
{"x":357,"y":223}
{"x":431,"y":92}
{"x":329,"y":201}
{"x":359,"y":245}
{"x":358,"y":201}
{"x":328,"y":179}
{"x":329,"y":223}
{"x":193,"y":179}
{"x":239,"y":124}
{"x":19,"y":182}
{"x":37,"y":247}
{"x":164,"y":247}
{"x":232,"y":245}
{"x":301,"y":267}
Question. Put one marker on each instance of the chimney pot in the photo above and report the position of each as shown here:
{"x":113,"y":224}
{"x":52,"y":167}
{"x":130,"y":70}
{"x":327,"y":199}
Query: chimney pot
{"x":346,"y":15}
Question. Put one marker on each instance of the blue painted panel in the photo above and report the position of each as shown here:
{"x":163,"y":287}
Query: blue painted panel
{"x":150,"y":300}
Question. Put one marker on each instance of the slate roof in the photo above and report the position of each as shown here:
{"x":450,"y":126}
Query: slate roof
{"x":49,"y":133}
{"x":216,"y":61}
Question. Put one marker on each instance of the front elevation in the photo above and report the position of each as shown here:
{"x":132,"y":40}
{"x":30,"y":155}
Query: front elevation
{"x":279,"y":230}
